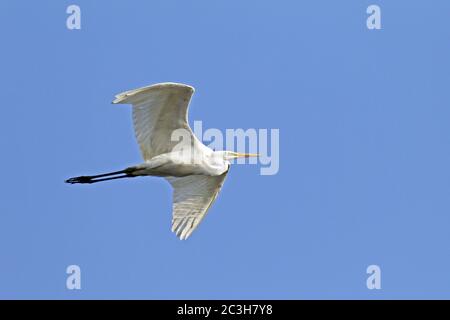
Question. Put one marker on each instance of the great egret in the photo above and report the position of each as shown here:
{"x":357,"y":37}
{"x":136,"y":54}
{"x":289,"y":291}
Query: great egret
{"x":195,"y":172}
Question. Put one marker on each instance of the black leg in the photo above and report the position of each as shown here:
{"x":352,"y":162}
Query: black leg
{"x":92,"y":179}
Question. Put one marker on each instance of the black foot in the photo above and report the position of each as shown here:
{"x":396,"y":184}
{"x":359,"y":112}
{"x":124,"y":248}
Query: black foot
{"x":82,"y":179}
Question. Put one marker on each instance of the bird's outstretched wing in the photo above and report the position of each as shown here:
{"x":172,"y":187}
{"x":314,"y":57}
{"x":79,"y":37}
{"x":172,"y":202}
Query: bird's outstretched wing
{"x":158,"y":110}
{"x":192,"y":197}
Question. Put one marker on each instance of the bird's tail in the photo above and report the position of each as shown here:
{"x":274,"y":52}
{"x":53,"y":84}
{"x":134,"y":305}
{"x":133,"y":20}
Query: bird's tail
{"x":127,"y":173}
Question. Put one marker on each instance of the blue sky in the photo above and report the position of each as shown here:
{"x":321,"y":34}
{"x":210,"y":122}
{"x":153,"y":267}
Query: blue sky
{"x":364,"y":149}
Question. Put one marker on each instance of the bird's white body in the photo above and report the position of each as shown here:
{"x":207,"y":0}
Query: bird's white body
{"x":176,"y":164}
{"x":195,"y":172}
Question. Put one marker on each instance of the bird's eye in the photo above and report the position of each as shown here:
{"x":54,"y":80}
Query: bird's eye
{"x":214,"y":149}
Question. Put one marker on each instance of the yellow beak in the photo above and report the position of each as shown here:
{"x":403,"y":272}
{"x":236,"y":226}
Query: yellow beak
{"x":245,"y":155}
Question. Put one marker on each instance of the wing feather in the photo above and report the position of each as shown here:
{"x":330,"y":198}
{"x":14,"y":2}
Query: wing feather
{"x":158,"y":110}
{"x":192,"y":197}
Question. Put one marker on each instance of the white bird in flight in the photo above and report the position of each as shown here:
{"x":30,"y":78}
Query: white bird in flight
{"x":195,"y":171}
